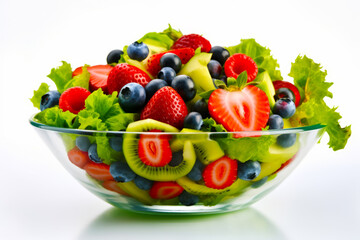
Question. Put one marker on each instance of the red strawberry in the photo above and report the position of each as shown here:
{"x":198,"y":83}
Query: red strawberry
{"x":242,"y":110}
{"x":283,"y":84}
{"x":153,"y":62}
{"x":193,"y":41}
{"x":98,"y":76}
{"x":165,"y":190}
{"x":73,"y":99}
{"x":112,"y":186}
{"x":238,"y":63}
{"x":99,"y":171}
{"x":220,"y":173}
{"x":78,"y":157}
{"x":123,"y":74}
{"x":166,"y":106}
{"x":154,"y":150}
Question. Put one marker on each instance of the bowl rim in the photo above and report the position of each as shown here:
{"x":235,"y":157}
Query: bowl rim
{"x":42,"y":126}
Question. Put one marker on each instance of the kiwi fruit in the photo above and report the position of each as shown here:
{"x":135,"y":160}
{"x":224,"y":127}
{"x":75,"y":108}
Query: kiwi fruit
{"x":137,"y":193}
{"x":208,"y":151}
{"x":178,"y":142}
{"x":277,"y":153}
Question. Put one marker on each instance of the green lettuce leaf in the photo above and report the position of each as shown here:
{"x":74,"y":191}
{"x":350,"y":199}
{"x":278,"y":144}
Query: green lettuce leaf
{"x":61,"y":76}
{"x":310,"y":79}
{"x":210,"y":125}
{"x":56,"y":117}
{"x":81,"y":80}
{"x":36,"y":99}
{"x":261,"y":55}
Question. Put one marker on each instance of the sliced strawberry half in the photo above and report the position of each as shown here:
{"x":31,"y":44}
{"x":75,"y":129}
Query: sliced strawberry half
{"x":98,"y":76}
{"x":242,"y":110}
{"x":153,"y":62}
{"x":193,"y":41}
{"x":78,"y":157}
{"x":238,"y":63}
{"x":221,"y":173}
{"x":99,"y":171}
{"x":73,"y":99}
{"x":112,"y":186}
{"x":283,"y":84}
{"x":165,"y":190}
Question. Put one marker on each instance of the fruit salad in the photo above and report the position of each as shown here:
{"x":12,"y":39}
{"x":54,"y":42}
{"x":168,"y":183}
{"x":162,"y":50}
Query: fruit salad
{"x":189,"y":117}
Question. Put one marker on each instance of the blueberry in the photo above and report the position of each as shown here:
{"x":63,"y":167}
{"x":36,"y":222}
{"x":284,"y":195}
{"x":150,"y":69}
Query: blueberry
{"x":284,"y":93}
{"x":121,"y":172}
{"x":214,"y":68}
{"x":259,"y":183}
{"x":188,"y":199}
{"x":185,"y":86}
{"x":93,"y":154}
{"x":143,"y":183}
{"x":83,"y":143}
{"x":152,"y":87}
{"x":286,"y":140}
{"x":167,"y":74}
{"x":201,"y":107}
{"x":116,"y":143}
{"x":49,"y":99}
{"x":114,"y":56}
{"x":138,"y":51}
{"x":196,"y":172}
{"x":275,"y":122}
{"x":219,"y":54}
{"x":248,"y":170}
{"x":132,"y":97}
{"x":171,"y":60}
{"x":193,"y":120}
{"x":177,"y":158}
{"x":284,"y":107}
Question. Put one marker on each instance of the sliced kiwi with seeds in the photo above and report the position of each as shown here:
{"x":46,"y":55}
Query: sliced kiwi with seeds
{"x":137,"y":193}
{"x":208,"y":151}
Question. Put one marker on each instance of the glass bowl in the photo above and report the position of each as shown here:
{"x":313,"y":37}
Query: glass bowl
{"x":179,"y":186}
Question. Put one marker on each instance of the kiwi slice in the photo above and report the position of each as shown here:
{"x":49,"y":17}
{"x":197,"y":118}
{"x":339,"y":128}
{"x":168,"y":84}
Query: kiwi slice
{"x":277,"y":153}
{"x":137,"y":193}
{"x":208,"y":151}
{"x":193,"y":135}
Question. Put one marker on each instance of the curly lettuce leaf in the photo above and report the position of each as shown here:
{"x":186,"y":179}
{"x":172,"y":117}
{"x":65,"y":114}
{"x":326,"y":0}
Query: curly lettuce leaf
{"x":261,"y":55}
{"x":309,"y":77}
{"x":210,"y":125}
{"x":81,"y":80}
{"x":61,"y":76}
{"x":56,"y":117}
{"x":36,"y":99}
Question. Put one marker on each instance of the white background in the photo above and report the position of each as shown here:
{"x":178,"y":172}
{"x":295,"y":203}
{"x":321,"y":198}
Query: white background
{"x":40,"y":200}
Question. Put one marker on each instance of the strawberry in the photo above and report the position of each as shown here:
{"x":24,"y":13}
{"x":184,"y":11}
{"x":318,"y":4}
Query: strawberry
{"x":78,"y":157}
{"x":154,"y":150}
{"x":112,"y":186}
{"x":238,"y":63}
{"x":153,"y":62}
{"x":73,"y":99}
{"x":283,"y":84}
{"x":193,"y":41}
{"x":98,"y":76}
{"x":240,"y":110}
{"x":220,"y":173}
{"x":99,"y":171}
{"x":167,"y":106}
{"x":123,"y":74}
{"x":165,"y":190}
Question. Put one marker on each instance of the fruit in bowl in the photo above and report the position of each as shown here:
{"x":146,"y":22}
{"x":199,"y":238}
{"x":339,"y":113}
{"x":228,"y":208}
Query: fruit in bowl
{"x":174,"y":124}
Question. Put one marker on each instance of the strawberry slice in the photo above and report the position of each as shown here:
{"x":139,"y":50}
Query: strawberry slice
{"x":152,"y":64}
{"x":73,"y":99}
{"x":99,"y":171}
{"x":78,"y":157}
{"x":154,"y":150}
{"x":220,"y":173}
{"x":167,"y":106}
{"x":98,"y":76}
{"x":283,"y":84}
{"x":242,"y":110}
{"x":193,"y":41}
{"x":112,"y":186}
{"x":165,"y":190}
{"x":238,"y":63}
{"x":123,"y":74}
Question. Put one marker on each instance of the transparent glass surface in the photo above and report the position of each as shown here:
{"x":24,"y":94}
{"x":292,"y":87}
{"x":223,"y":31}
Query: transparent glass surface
{"x":194,"y":149}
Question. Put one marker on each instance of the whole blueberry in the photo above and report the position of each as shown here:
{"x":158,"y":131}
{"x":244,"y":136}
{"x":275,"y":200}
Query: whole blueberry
{"x":116,"y":143}
{"x":153,"y":86}
{"x":196,"y":172}
{"x":193,"y":120}
{"x":114,"y":56}
{"x":93,"y":154}
{"x":171,"y":60}
{"x":201,"y":107}
{"x":219,"y":54}
{"x":143,"y":183}
{"x":138,"y":51}
{"x":83,"y":143}
{"x":49,"y":99}
{"x":215,"y":68}
{"x":185,"y":86}
{"x":132,"y":97}
{"x":121,"y":172}
{"x":167,"y":74}
{"x":284,"y":93}
{"x":286,"y":140}
{"x":177,"y":158}
{"x":248,"y":170}
{"x":188,"y":199}
{"x":275,"y":122}
{"x":284,"y":107}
